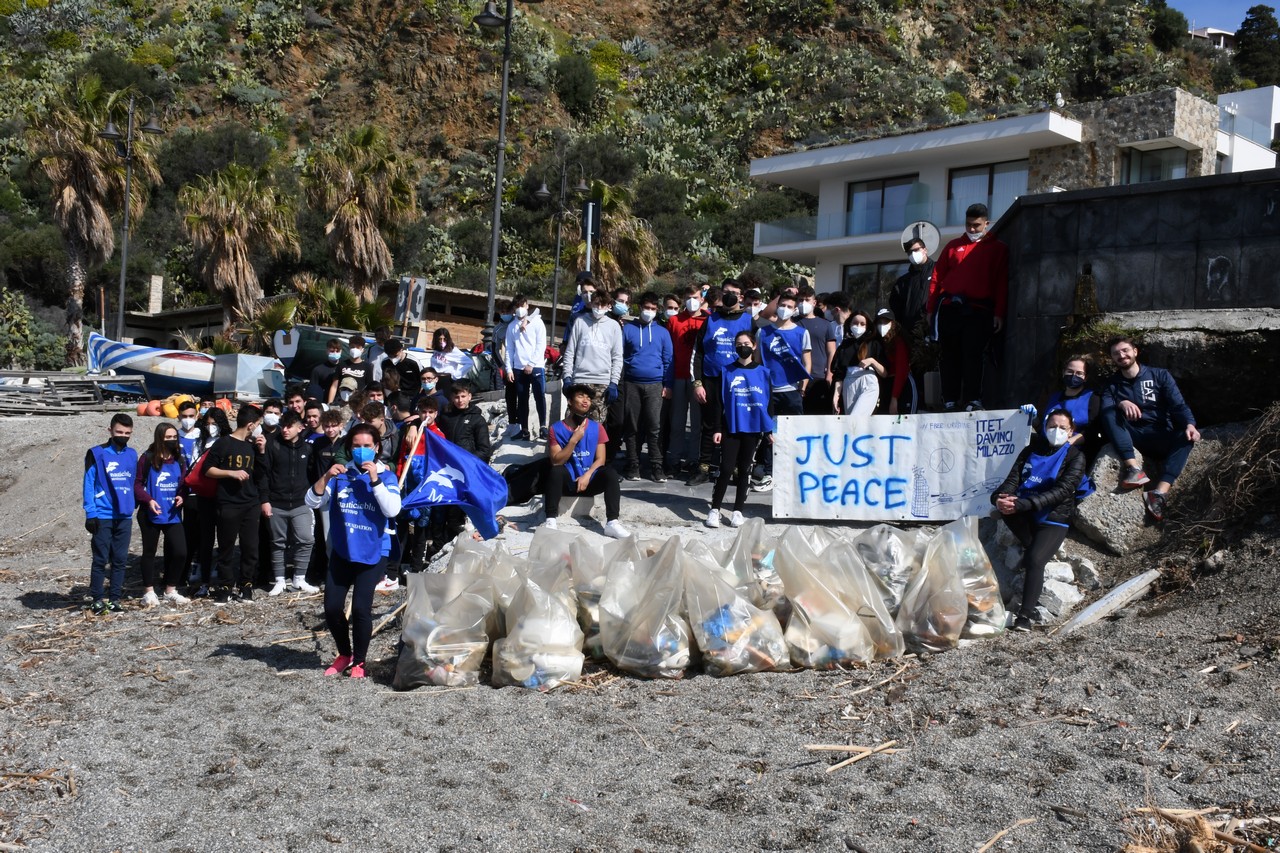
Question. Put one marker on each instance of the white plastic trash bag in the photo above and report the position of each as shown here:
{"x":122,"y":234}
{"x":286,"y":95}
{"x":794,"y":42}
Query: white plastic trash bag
{"x":732,"y":635}
{"x":751,"y":556}
{"x":934,"y":605}
{"x":987,"y":614}
{"x":825,"y":630}
{"x":444,"y":639}
{"x":543,"y":647}
{"x":891,"y":557}
{"x":864,"y":594}
{"x":642,"y":626}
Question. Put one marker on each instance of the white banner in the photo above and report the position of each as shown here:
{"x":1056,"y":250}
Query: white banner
{"x":893,"y":467}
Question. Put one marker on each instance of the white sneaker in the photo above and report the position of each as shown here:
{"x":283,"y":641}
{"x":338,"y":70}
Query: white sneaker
{"x":713,"y":518}
{"x":150,"y":599}
{"x":176,"y":597}
{"x":736,"y":520}
{"x":277,"y":588}
{"x":387,"y":585}
{"x":615,"y":529}
{"x":301,"y":585}
{"x":551,"y":524}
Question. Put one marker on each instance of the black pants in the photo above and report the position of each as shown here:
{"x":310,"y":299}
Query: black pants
{"x":615,"y":424}
{"x":351,"y":638}
{"x":238,"y":521}
{"x":318,"y":568}
{"x":191,"y":528}
{"x":1041,"y":542}
{"x":560,"y":482}
{"x":175,"y":550}
{"x":963,"y":334}
{"x":739,"y":448}
{"x":643,"y":412}
{"x":205,"y":514}
{"x":709,"y":453}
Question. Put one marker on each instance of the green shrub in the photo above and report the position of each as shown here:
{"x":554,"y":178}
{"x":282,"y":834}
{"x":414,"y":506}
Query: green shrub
{"x":576,"y":84}
{"x":62,"y":40}
{"x":957,"y":104}
{"x":154,"y":53}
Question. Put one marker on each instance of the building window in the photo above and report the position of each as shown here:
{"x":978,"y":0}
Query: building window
{"x":1162,"y":164}
{"x":868,"y":285}
{"x":996,"y":185}
{"x":877,"y":207}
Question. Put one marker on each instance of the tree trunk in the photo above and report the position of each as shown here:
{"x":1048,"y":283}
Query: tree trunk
{"x":77,"y":274}
{"x":228,"y":312}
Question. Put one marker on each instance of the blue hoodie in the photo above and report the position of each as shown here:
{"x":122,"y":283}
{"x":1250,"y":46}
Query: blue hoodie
{"x":646,"y":353}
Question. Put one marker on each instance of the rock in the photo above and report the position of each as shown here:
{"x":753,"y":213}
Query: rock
{"x":1060,"y":598}
{"x":1086,"y":572}
{"x":1059,"y":571}
{"x":1112,"y":518}
{"x":1215,"y":562}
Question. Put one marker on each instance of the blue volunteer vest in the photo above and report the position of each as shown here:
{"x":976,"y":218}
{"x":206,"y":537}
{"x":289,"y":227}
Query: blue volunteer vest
{"x":1040,"y":474}
{"x":1077,"y":407}
{"x":115,"y":474}
{"x":190,"y":447}
{"x":353,"y":509}
{"x":782,"y":350}
{"x":163,"y":485}
{"x":717,"y":342}
{"x":584,"y":453}
{"x":746,"y":400}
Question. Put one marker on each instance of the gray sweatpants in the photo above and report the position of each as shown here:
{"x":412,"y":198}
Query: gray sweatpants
{"x":294,"y":530}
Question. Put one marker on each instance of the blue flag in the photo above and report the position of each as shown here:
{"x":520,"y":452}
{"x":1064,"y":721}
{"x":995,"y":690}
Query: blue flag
{"x":456,"y":478}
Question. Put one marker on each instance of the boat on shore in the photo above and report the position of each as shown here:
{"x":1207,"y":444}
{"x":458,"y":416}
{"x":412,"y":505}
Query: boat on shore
{"x":199,"y":374}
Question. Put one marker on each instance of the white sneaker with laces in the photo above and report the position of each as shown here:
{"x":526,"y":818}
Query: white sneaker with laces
{"x":615,"y":529}
{"x":150,"y":599}
{"x":301,"y":585}
{"x":276,"y":588}
{"x":713,"y":518}
{"x":387,"y":585}
{"x":176,"y":597}
{"x":551,"y":524}
{"x":736,"y":520}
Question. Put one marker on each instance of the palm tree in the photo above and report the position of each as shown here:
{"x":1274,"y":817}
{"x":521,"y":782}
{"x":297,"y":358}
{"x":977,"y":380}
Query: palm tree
{"x":325,"y":303}
{"x":258,"y":331}
{"x":627,"y":250}
{"x":87,"y":181}
{"x":229,"y":215}
{"x":364,"y":184}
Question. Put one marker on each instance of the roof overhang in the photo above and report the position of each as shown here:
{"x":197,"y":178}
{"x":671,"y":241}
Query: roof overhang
{"x":970,"y":144}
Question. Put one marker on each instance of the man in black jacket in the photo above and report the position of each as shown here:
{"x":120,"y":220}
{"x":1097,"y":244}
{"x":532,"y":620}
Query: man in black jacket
{"x":911,"y":290}
{"x":283,"y":473}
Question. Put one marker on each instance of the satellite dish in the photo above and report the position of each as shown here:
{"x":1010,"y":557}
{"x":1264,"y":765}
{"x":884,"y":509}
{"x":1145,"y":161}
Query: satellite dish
{"x":924,"y":230}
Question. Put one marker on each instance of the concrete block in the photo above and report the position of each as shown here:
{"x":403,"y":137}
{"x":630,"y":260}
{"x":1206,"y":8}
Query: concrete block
{"x":577,"y":507}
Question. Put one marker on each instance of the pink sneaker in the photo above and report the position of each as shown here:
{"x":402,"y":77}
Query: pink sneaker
{"x":357,"y":671}
{"x":340,"y":664}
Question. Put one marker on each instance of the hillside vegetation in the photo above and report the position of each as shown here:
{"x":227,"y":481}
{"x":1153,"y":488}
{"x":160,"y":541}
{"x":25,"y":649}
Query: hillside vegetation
{"x":659,"y":104}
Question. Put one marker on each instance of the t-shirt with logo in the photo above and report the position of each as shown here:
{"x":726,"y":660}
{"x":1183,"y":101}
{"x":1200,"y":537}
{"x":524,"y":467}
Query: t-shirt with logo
{"x":782,"y":352}
{"x":746,"y":390}
{"x":353,"y":510}
{"x":718,"y":336}
{"x":233,"y":454}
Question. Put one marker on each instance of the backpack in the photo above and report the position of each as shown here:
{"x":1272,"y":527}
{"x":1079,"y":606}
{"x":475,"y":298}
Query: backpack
{"x":198,"y":482}
{"x":524,"y":481}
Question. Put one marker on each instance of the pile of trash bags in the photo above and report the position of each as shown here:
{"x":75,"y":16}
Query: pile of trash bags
{"x":814,"y":597}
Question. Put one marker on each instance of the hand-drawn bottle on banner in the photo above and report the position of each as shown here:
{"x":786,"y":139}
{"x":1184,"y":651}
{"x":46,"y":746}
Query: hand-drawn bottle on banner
{"x":919,"y":494}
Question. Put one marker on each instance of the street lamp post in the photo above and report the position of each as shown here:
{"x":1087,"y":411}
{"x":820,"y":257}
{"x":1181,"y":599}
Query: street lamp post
{"x":544,"y":194}
{"x":124,"y":149}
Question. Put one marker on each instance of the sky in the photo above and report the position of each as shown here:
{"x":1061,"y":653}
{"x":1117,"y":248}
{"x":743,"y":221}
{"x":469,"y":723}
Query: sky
{"x":1215,"y":13}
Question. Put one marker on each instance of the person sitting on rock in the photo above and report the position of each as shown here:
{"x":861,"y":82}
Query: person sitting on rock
{"x":1038,"y":500}
{"x":1083,"y":403}
{"x":576,"y":446}
{"x":1143,"y":409}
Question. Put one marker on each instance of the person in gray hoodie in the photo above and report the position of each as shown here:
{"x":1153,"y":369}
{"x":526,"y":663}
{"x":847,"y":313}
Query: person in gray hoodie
{"x":593,"y":355}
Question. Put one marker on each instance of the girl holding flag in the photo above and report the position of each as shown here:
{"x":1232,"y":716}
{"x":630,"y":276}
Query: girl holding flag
{"x":160,"y":494}
{"x":1038,"y":500}
{"x":362,"y":499}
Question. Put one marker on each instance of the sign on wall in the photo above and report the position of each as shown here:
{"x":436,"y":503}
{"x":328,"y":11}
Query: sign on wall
{"x":893,"y":468}
{"x":410,"y":300}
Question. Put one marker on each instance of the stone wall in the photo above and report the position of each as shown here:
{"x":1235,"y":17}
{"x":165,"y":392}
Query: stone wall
{"x":1173,"y":116}
{"x":1197,"y":245}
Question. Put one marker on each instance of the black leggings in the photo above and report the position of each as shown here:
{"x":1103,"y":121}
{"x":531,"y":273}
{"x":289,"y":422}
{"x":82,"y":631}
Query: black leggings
{"x":1041,"y":542}
{"x":351,"y":638}
{"x":737,"y":449}
{"x":175,"y":551}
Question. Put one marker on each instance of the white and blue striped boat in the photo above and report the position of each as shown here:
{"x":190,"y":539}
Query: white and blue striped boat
{"x":169,"y":371}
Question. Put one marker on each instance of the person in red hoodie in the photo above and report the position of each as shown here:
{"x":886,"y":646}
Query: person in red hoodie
{"x":685,"y":328}
{"x":968,"y":295}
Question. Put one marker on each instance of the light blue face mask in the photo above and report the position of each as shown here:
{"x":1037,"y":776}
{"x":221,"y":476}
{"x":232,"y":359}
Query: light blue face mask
{"x":362,"y":455}
{"x":620,"y":309}
{"x":506,"y":318}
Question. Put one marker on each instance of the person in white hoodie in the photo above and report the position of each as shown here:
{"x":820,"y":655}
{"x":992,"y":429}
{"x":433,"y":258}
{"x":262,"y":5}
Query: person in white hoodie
{"x":527,"y":364}
{"x":593,"y":355}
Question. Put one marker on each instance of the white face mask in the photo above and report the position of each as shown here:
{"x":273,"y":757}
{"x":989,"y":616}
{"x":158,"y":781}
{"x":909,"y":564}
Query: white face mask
{"x":271,"y":419}
{"x":522,"y":312}
{"x":756,"y":309}
{"x":257,"y":432}
{"x":187,"y":423}
{"x":1057,"y":436}
{"x":883,"y":329}
{"x":974,"y":237}
{"x":784,"y":314}
{"x":357,"y":353}
{"x":671,"y":312}
{"x":918,"y":256}
{"x":692,"y":304}
{"x":213,"y":430}
{"x":647,"y":315}
{"x":599,"y":313}
{"x":806,"y":308}
{"x":857,"y":331}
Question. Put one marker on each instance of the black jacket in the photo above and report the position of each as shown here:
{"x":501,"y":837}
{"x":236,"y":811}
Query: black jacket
{"x":468,"y":429}
{"x":283,"y":472}
{"x":909,"y":295}
{"x":1061,"y":496}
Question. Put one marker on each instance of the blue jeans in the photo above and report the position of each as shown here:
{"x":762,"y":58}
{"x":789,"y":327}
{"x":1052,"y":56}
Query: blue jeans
{"x":537,"y":383}
{"x":110,"y":545}
{"x":1169,"y":445}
